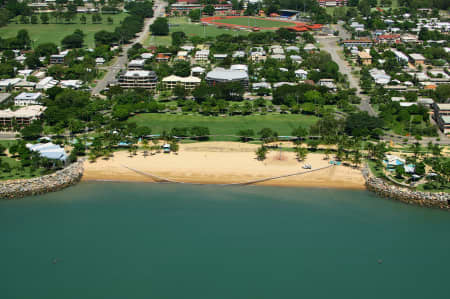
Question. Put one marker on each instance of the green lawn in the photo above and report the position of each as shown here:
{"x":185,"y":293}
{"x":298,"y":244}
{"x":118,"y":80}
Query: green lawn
{"x":230,"y":125}
{"x":15,"y":172}
{"x":254,"y":22}
{"x":43,"y":33}
{"x":191,"y":29}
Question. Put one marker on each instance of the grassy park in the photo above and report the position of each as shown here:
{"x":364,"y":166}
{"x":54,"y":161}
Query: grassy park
{"x":230,"y":125}
{"x":191,"y":29}
{"x":46,"y":33}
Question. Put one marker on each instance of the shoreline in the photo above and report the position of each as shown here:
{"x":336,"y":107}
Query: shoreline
{"x":219,"y":163}
{"x":228,"y":184}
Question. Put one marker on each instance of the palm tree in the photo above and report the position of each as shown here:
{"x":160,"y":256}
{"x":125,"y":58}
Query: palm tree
{"x":301,"y":153}
{"x":416,"y":148}
{"x":327,"y":153}
{"x":356,"y":158}
{"x":261,"y":153}
{"x":436,"y":151}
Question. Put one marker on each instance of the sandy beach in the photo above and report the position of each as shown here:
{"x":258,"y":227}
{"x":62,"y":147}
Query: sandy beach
{"x":222,"y":163}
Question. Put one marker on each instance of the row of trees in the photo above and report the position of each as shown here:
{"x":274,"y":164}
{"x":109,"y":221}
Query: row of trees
{"x":129,"y":26}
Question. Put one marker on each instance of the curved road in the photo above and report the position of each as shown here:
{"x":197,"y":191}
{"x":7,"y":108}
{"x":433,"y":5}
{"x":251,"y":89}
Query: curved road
{"x":122,"y":60}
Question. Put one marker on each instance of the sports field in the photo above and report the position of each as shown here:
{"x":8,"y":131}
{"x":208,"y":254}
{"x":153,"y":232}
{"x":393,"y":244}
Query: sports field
{"x":230,"y":125}
{"x":191,"y":29}
{"x":44,"y":33}
{"x":254,"y":22}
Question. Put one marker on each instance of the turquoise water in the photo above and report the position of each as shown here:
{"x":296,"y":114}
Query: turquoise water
{"x":126,"y":240}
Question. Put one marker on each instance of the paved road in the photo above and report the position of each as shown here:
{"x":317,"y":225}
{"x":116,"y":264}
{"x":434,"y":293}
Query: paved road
{"x":122,"y":60}
{"x":332,"y":47}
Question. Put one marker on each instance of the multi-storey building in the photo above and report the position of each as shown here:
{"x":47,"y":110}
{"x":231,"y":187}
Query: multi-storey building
{"x":189,"y":83}
{"x":138,"y":79}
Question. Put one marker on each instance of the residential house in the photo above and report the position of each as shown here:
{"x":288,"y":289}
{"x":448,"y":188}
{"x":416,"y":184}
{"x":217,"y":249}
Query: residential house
{"x":136,"y":64}
{"x":379,"y":76}
{"x":310,"y":48}
{"x":25,"y":85}
{"x":46,"y":83}
{"x":182,"y":55}
{"x":202,"y":55}
{"x":59,"y":58}
{"x":388,"y":39}
{"x":363,"y":42}
{"x":401,"y":57}
{"x":364,"y":58}
{"x":417,"y":59}
{"x":301,"y":74}
{"x":74,"y":84}
{"x":7,"y":84}
{"x":100,"y":61}
{"x":442,"y":117}
{"x":329,"y":83}
{"x":197,"y":71}
{"x":4,"y":97}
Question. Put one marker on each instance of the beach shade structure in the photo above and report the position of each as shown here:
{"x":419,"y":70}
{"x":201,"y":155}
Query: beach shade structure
{"x":124,"y":144}
{"x":49,"y":151}
{"x":166,"y":148}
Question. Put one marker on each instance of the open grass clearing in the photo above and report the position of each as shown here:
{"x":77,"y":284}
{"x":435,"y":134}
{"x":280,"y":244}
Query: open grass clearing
{"x":54,"y":33}
{"x":228,"y":125}
{"x":191,"y":29}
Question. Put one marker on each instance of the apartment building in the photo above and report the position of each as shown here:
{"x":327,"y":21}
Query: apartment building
{"x":138,"y":79}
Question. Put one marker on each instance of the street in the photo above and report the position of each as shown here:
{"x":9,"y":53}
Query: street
{"x":332,"y":47}
{"x":122,"y":60}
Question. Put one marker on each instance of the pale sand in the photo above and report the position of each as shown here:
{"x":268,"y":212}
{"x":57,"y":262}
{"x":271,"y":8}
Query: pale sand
{"x":223,"y":163}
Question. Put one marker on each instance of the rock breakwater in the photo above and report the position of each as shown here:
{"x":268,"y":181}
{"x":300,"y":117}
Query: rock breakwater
{"x":426,"y":199}
{"x":48,"y":183}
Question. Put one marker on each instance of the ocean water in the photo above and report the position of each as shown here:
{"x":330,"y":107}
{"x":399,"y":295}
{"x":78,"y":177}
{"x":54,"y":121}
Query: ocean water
{"x":137,"y":240}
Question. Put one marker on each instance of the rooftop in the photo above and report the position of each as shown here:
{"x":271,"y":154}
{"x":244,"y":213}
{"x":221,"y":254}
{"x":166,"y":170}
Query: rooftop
{"x":364,"y":55}
{"x":139,"y":74}
{"x":28,"y":96}
{"x":443,"y":106}
{"x":27,"y":112}
{"x":416,"y":56}
{"x":4,"y":97}
{"x":219,"y":73}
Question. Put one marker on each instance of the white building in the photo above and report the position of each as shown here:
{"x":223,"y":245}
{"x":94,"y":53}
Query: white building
{"x":189,"y":83}
{"x":27,"y":99}
{"x":8,"y":83}
{"x":380,"y":76}
{"x":202,"y":55}
{"x":136,"y":64}
{"x":401,"y":57}
{"x":197,"y":71}
{"x":74,"y":84}
{"x":46,"y":83}
{"x":301,"y":74}
{"x":22,"y":117}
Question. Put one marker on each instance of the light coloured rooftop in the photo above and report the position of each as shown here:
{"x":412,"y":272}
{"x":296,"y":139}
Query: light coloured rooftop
{"x":25,"y":112}
{"x":416,"y":56}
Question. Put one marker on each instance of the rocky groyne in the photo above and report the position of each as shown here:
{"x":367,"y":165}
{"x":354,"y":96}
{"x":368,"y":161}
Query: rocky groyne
{"x":426,"y":199}
{"x":61,"y":179}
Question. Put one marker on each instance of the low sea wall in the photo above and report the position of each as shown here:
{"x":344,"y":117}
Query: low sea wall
{"x":426,"y":199}
{"x":61,"y":179}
